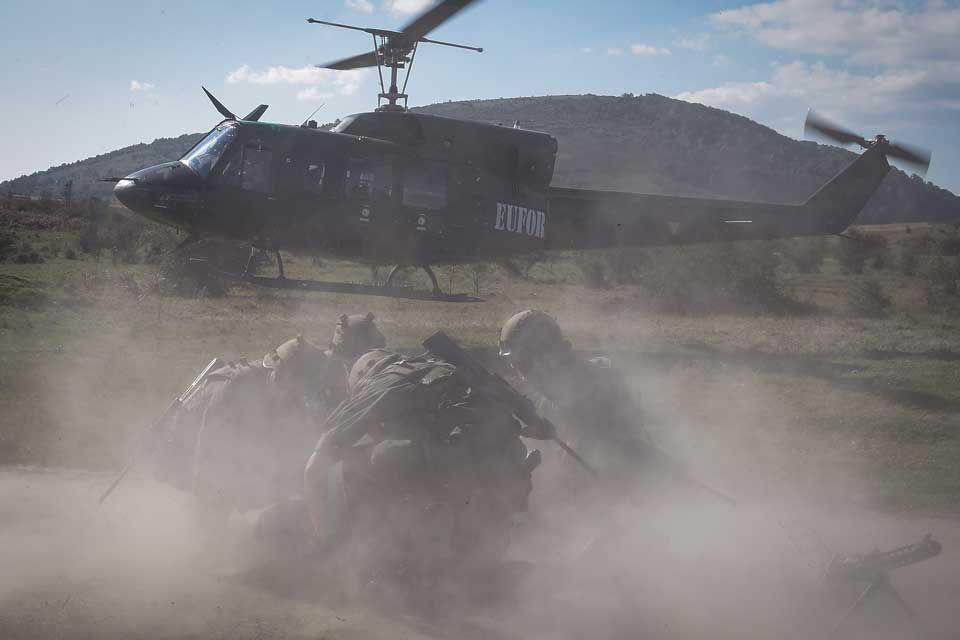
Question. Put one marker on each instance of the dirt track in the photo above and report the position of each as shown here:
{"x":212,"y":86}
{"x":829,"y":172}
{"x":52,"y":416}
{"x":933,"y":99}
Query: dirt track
{"x":138,"y":567}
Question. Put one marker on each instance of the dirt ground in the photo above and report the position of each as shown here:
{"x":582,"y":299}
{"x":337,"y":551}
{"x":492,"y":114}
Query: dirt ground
{"x":835,"y":434}
{"x":140,"y":566}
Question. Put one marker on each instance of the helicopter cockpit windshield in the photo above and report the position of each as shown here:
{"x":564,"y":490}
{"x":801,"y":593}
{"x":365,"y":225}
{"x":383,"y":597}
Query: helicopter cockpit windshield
{"x":204,"y":155}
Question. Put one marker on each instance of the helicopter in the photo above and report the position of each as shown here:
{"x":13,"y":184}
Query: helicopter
{"x":397,"y":187}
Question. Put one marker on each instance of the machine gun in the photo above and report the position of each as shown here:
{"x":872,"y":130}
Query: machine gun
{"x":152,"y":435}
{"x":874,"y":567}
{"x":478,"y":377}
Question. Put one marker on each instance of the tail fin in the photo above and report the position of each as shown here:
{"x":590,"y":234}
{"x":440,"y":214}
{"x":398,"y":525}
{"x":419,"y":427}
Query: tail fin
{"x":838,"y":203}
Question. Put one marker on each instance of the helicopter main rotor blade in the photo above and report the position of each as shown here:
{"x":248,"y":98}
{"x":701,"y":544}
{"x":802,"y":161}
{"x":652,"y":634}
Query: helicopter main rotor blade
{"x":817,"y":124}
{"x":377,"y":32}
{"x":219,"y":106}
{"x":255,"y":115}
{"x":914,"y":156}
{"x":356,"y":62}
{"x":433,"y":18}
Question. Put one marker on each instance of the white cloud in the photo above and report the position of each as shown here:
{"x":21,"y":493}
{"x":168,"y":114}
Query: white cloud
{"x":364,"y":6}
{"x":698,"y":42}
{"x":586,"y":50}
{"x":322,"y":83}
{"x":141,"y":87}
{"x":867,"y":32}
{"x":407,"y":7}
{"x":647,"y":50}
{"x":614,"y":51}
{"x":721,"y":60}
{"x":830,"y":89}
{"x":880,"y":62}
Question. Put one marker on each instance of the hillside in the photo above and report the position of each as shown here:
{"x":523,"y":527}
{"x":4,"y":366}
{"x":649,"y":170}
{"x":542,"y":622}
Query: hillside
{"x":645,"y":143}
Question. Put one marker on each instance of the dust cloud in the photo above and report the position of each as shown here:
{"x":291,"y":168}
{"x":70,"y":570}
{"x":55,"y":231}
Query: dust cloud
{"x":668,"y":562}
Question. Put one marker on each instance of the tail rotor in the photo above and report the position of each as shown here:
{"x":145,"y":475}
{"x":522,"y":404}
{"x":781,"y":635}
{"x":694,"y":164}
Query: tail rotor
{"x":817,"y":126}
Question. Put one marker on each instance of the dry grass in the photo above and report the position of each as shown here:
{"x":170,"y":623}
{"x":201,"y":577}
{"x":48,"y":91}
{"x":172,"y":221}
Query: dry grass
{"x":88,"y":365}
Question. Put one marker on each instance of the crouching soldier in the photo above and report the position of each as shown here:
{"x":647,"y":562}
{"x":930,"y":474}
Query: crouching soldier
{"x":416,"y":473}
{"x":587,"y":399}
{"x":352,"y":336}
{"x":256,"y":420}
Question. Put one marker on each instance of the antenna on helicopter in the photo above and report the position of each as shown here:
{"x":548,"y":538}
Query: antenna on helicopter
{"x":306,"y":123}
{"x":396,"y":50}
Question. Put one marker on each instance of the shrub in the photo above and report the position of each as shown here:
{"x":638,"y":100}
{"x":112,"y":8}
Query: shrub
{"x":8,"y":245}
{"x":192,"y":271}
{"x":29,"y":258}
{"x":805,"y":254}
{"x":480,"y":275}
{"x":909,"y":261}
{"x":949,"y":246}
{"x":867,"y":299}
{"x":858,"y":247}
{"x":737,"y":277}
{"x":594,"y":270}
{"x":940,"y":278}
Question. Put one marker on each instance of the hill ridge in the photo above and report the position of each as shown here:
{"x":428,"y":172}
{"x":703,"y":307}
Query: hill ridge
{"x":647,"y":143}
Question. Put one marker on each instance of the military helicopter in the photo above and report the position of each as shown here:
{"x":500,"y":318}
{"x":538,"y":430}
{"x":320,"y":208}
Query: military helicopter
{"x":397,"y":187}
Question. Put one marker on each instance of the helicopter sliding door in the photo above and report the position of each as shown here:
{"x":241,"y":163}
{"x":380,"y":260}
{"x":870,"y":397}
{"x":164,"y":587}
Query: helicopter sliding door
{"x":434,"y":233}
{"x":368,"y":193}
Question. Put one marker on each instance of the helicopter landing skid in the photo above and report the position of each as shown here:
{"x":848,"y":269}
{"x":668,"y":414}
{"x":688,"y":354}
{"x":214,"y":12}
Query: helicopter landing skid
{"x":346,"y":287}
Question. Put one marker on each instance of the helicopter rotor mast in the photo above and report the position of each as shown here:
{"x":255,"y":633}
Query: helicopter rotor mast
{"x":396,"y":50}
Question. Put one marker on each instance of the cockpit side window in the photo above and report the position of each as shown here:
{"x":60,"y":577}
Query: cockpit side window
{"x":205,"y":154}
{"x":256,"y":173}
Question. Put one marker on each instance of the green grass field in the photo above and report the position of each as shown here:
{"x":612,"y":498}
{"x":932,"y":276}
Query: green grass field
{"x":864,"y":410}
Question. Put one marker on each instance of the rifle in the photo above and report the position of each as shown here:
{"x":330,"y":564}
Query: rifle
{"x":151,"y":436}
{"x":869,"y":566}
{"x":478,"y":377}
{"x":664,"y":462}
{"x":445,"y":347}
{"x":874,"y":569}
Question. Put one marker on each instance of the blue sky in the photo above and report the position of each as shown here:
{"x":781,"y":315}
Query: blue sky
{"x":80,"y":79}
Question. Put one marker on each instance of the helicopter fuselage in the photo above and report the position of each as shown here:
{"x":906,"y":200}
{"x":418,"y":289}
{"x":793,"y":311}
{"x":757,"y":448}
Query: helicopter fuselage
{"x":380,"y":187}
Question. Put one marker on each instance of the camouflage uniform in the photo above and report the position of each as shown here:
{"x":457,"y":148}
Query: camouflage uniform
{"x":413,"y":449}
{"x":256,"y":420}
{"x":175,"y":457}
{"x":353,"y":336}
{"x":587,"y":399}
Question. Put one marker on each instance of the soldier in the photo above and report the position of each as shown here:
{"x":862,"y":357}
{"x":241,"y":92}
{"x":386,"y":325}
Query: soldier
{"x":256,"y":420}
{"x":418,"y":462}
{"x":589,"y":400}
{"x":353,"y":336}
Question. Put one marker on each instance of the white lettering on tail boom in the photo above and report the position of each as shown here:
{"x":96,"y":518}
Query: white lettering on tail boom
{"x":517,"y":219}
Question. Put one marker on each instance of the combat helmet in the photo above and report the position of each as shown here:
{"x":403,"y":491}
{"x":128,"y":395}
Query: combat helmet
{"x":355,"y":335}
{"x":297,"y":358}
{"x":529,"y":335}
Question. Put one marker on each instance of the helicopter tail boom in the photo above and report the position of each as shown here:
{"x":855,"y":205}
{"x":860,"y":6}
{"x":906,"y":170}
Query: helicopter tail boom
{"x":589,"y":219}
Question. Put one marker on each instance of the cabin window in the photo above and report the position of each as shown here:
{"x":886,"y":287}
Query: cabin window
{"x":256,"y":173}
{"x":364,"y":178}
{"x":425,"y":186}
{"x":313,"y":176}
